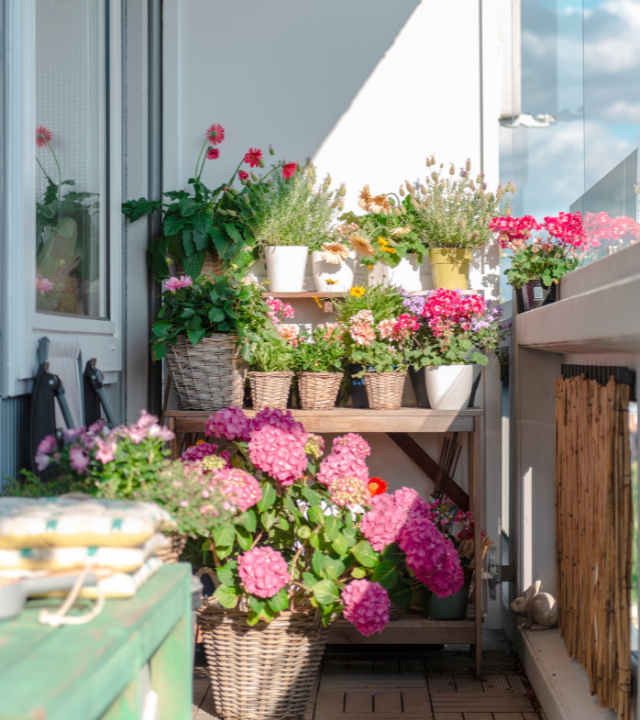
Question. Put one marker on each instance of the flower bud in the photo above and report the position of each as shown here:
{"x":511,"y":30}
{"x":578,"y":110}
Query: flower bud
{"x":248,"y":183}
{"x":254,"y":177}
{"x":271,"y":150}
{"x":233,"y":191}
{"x":423,"y":189}
{"x":468,"y":165}
{"x":262,"y":163}
{"x":401,"y":191}
{"x":335,"y":204}
{"x":342,"y":190}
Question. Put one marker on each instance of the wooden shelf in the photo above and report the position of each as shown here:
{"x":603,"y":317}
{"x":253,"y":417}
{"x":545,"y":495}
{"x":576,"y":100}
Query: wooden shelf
{"x":341,"y":420}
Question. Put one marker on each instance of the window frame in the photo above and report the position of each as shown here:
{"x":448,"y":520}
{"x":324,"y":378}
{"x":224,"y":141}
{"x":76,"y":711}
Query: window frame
{"x":22,"y":325}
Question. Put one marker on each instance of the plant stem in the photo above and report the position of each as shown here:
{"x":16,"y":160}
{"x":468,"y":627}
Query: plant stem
{"x":59,"y":173}
{"x":43,"y":170}
{"x":204,"y":145}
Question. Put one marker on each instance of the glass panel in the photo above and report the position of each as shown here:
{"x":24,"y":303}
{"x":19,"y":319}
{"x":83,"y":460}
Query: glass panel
{"x":633,"y":440}
{"x":71,"y":113}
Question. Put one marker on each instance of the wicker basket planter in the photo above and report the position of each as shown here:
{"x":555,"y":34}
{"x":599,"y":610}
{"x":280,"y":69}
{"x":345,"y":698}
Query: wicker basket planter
{"x":318,"y":390}
{"x":264,"y":672}
{"x":270,"y":389}
{"x":171,"y":552}
{"x":212,"y":265}
{"x":384,"y":390}
{"x":209,"y":375}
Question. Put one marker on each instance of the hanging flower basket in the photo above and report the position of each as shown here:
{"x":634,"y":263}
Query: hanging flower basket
{"x":264,"y":672}
{"x":318,"y":390}
{"x":270,"y":389}
{"x":384,"y":390}
{"x":209,"y":375}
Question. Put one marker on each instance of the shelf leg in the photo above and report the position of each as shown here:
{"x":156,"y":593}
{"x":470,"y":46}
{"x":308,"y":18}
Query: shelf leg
{"x":475,"y":466}
{"x":173,"y":444}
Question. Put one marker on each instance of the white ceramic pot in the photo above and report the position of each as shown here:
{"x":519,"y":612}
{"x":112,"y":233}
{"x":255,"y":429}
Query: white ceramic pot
{"x":449,"y":386}
{"x":405,"y":275}
{"x":286,"y":266}
{"x":332,"y":278}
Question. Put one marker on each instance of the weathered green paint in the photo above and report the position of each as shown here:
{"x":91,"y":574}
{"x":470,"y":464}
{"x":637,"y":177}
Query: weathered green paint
{"x":168,"y":676}
{"x":77,"y":672}
{"x":128,"y":705}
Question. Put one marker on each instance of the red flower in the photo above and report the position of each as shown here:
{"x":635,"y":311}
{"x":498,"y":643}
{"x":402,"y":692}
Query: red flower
{"x":243,"y":175}
{"x":253,"y":157}
{"x":213,"y":153}
{"x":215,"y":134}
{"x":289,"y":170}
{"x":43,"y":136}
{"x":377,"y":486}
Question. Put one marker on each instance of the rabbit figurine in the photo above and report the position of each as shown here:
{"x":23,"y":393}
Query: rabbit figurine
{"x":539,"y":608}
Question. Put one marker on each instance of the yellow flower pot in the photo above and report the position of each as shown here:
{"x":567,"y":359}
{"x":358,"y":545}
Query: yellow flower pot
{"x":450,"y":267}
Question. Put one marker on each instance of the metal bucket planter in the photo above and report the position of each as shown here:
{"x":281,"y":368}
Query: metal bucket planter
{"x":450,"y":268}
{"x":535,"y":294}
{"x":452,"y":607}
{"x":359,"y":397}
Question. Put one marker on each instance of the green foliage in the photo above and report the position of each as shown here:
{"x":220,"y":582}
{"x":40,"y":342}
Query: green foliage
{"x":545,"y":261}
{"x":29,"y":485}
{"x":381,"y":356}
{"x":322,"y":351}
{"x":273,"y":355}
{"x":457,"y":350}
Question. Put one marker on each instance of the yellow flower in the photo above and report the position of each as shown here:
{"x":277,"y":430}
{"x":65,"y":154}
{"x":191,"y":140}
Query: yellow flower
{"x":383,"y":242}
{"x":357,"y":292}
{"x":388,"y":249}
{"x":334,"y":252}
{"x":318,"y":302}
{"x":329,"y":281}
{"x":369,"y":267}
{"x":361,"y":245}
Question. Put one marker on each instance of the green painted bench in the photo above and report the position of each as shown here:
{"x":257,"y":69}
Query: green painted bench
{"x":94,"y":671}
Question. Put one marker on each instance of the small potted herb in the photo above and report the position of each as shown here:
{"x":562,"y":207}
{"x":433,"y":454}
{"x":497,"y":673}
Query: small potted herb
{"x":319,"y":358}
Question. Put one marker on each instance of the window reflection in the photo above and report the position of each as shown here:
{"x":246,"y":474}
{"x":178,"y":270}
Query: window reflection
{"x":71,"y":248}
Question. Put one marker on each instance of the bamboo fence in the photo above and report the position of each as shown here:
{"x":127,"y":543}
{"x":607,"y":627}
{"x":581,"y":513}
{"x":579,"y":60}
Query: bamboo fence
{"x":594,"y":530}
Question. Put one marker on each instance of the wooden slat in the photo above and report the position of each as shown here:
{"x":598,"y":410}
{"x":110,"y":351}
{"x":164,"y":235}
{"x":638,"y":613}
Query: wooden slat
{"x":334,"y":666}
{"x":408,"y":630}
{"x":358,"y":702}
{"x":372,"y":683}
{"x":448,"y":716}
{"x":360,"y":667}
{"x":389,"y":703}
{"x":480,"y":702}
{"x":330,"y":703}
{"x":497,"y":684}
{"x":430,"y":467}
{"x":387,"y":667}
{"x":416,"y":703}
{"x":511,"y":716}
{"x":516,"y":682}
{"x":477,"y":716}
{"x":441,"y":683}
{"x":468,"y":684}
{"x":411,"y":665}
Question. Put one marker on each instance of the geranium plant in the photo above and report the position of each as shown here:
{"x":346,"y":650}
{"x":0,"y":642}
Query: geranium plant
{"x":323,"y":350}
{"x":545,"y":259}
{"x":603,"y":230}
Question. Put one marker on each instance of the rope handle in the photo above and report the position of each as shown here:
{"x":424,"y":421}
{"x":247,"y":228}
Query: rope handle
{"x":60,"y":617}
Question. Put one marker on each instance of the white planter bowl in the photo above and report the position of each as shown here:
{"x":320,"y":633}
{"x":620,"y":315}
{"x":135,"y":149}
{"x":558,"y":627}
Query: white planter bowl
{"x":405,"y":275}
{"x":340,"y":277}
{"x":449,"y":386}
{"x":286,"y":267}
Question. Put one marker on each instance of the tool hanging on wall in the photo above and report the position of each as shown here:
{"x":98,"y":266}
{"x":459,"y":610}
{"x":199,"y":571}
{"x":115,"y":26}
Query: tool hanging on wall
{"x":449,"y":457}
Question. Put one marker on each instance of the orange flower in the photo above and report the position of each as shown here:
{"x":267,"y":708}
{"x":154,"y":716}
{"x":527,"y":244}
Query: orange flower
{"x":377,"y":486}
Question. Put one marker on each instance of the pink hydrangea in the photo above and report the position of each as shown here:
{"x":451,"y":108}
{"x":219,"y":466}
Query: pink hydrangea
{"x":366,"y":605}
{"x":242,"y":489}
{"x":342,"y":464}
{"x":411,"y":504}
{"x":263,"y":571}
{"x":230,"y":423}
{"x":352,"y":442}
{"x":383,"y":523}
{"x":278,"y":453}
{"x":350,"y":491}
{"x":314,"y":445}
{"x":196,"y":453}
{"x":282,"y":419}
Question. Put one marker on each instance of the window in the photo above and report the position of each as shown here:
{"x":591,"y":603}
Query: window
{"x":71,"y":109}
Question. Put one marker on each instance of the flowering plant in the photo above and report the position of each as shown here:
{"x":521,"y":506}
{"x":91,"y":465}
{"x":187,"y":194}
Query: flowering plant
{"x":601,"y":229}
{"x":207,"y":305}
{"x":548,"y":259}
{"x":322,"y":350}
{"x":454,"y":213}
{"x":303,"y":538}
{"x":454,"y":329}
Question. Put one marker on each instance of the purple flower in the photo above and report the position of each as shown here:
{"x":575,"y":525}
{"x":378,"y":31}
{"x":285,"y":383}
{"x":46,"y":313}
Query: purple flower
{"x":73,"y":434}
{"x":105,"y":451}
{"x":79,"y":459}
{"x":47,"y":445}
{"x":413,"y":303}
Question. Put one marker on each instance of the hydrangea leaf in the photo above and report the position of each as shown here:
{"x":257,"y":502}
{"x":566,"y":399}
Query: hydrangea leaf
{"x":326,"y":592}
{"x":365,"y":554}
{"x":226,"y":596}
{"x":227,"y":573}
{"x":268,"y":497}
{"x":386,"y":573}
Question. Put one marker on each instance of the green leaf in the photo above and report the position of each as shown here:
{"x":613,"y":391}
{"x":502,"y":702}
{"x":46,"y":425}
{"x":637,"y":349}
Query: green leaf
{"x":249,"y":520}
{"x":233,"y":233}
{"x":358,"y":573}
{"x":226,"y":596}
{"x":311,"y":496}
{"x":216,"y":315}
{"x":227,"y":573}
{"x":257,"y":604}
{"x":365,"y":554}
{"x":173,"y":224}
{"x":386,"y":574}
{"x":195,"y":336}
{"x":193,"y":263}
{"x":279,"y":602}
{"x":317,"y":514}
{"x":394,"y":554}
{"x":269,"y":496}
{"x":135,"y":209}
{"x":331,"y":528}
{"x":176,"y":194}
{"x":334,"y":567}
{"x":187,"y":206}
{"x":325,"y":592}
{"x":268,"y":519}
{"x":224,"y":535}
{"x":340,"y":544}
{"x":283,"y":523}
{"x":401,"y":594}
{"x":309,"y":579}
{"x":244,"y":537}
{"x":303,"y":532}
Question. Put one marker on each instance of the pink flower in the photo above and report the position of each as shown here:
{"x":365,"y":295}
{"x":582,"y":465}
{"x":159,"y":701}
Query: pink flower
{"x":314,"y":445}
{"x":288,"y":311}
{"x":47,"y":445}
{"x":278,"y":453}
{"x":263,"y":571}
{"x":362,"y":334}
{"x":282,"y":419}
{"x":230,"y":424}
{"x":366,"y":605}
{"x":362,"y":316}
{"x":242,"y":489}
{"x":243,"y":175}
{"x":42,"y":461}
{"x":196,"y":452}
{"x":350,"y":491}
{"x":43,"y":285}
{"x":79,"y":459}
{"x":352,"y":442}
{"x":253,"y":157}
{"x":289,"y":170}
{"x":161,"y":432}
{"x":385,"y":327}
{"x":213,"y":153}
{"x":173,"y":284}
{"x":105,"y":451}
{"x":289,"y":333}
{"x":340,"y":465}
{"x":43,"y":136}
{"x":383,"y":523}
{"x":215,"y":134}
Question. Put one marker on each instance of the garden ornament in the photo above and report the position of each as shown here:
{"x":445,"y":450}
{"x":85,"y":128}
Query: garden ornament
{"x":540,"y":609}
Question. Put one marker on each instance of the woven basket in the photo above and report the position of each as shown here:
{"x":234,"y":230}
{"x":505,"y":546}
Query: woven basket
{"x":318,"y":390}
{"x":384,"y":390}
{"x":209,"y":375}
{"x":270,"y":389}
{"x":264,"y":672}
{"x":171,"y":552}
{"x":212,"y":265}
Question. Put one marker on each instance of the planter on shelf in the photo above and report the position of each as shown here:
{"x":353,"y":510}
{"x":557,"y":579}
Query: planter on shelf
{"x":405,"y":275}
{"x":286,"y":265}
{"x":452,"y":607}
{"x":270,"y":389}
{"x":209,"y":375}
{"x":384,"y":390}
{"x":318,"y":390}
{"x":170,"y":553}
{"x":419,"y":384}
{"x":359,"y":397}
{"x":450,"y":268}
{"x":332,"y":278}
{"x":262,"y":672}
{"x":449,"y":387}
{"x":535,"y":294}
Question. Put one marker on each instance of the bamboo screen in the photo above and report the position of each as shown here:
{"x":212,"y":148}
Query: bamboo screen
{"x":594,"y":529}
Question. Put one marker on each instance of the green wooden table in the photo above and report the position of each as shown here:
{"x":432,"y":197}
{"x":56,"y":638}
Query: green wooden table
{"x":92,"y":671}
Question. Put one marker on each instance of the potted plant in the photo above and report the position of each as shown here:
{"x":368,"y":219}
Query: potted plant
{"x":333,"y":265}
{"x":454,"y":331}
{"x":537,"y":266}
{"x":319,"y":358}
{"x":286,"y":216}
{"x":208,"y":329}
{"x":387,"y":244}
{"x":453,"y":216}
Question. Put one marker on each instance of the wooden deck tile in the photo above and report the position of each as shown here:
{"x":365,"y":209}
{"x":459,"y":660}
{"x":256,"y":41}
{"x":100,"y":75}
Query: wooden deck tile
{"x":469,"y":684}
{"x":416,"y":703}
{"x":478,"y":716}
{"x":389,"y":703}
{"x":358,"y":703}
{"x":497,"y":684}
{"x":371,"y":683}
{"x":448,"y":716}
{"x":480,"y":702}
{"x":441,"y":683}
{"x":361,"y":667}
{"x":411,"y":665}
{"x":516,"y":683}
{"x":384,"y":666}
{"x":330,"y":703}
{"x":514,"y":716}
{"x":335,"y":666}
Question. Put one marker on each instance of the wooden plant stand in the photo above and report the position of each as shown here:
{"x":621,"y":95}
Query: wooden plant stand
{"x":412,"y":628}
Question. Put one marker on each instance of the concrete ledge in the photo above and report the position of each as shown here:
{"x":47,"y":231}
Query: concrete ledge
{"x":560,"y":683}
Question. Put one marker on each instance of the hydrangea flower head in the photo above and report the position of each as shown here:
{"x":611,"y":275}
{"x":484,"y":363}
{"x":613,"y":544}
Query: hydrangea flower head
{"x":230,"y":424}
{"x":263,"y":571}
{"x":350,"y":491}
{"x":342,"y":464}
{"x":213,"y":462}
{"x":352,"y":442}
{"x":242,"y":489}
{"x":314,"y":446}
{"x":366,"y":605}
{"x":278,"y":453}
{"x":282,"y":419}
{"x":196,"y":453}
